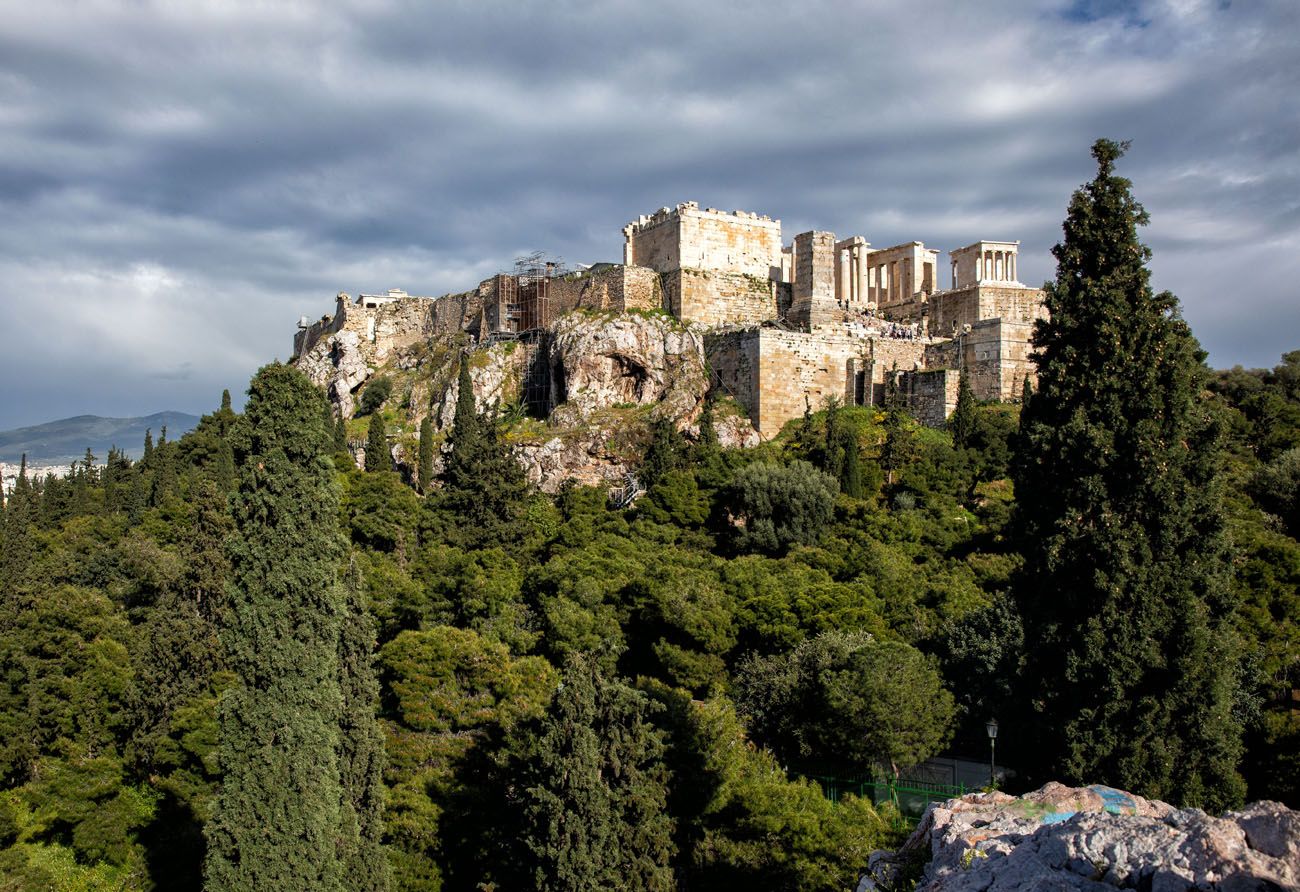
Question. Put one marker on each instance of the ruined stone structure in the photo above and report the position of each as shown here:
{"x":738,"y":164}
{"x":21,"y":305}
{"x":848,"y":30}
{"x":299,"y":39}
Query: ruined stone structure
{"x":784,"y":327}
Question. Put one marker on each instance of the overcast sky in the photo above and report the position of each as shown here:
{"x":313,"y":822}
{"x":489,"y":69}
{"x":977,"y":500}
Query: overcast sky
{"x":180,"y":182}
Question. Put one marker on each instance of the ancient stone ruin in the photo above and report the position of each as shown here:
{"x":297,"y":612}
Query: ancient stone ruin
{"x":779,"y":327}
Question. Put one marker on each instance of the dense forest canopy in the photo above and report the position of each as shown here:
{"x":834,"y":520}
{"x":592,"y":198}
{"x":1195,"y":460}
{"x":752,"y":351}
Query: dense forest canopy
{"x":216,"y":661}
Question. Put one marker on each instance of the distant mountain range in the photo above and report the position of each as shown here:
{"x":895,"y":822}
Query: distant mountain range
{"x":65,"y":441}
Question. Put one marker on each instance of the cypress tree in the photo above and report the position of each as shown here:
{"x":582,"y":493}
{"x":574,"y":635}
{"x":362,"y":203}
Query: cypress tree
{"x":377,"y":455}
{"x":482,"y":483}
{"x":148,"y":447}
{"x":594,"y":788}
{"x":341,"y":435}
{"x":851,"y":470}
{"x":277,"y":818}
{"x":897,"y":450}
{"x":361,"y":749}
{"x":1125,"y":587}
{"x":426,"y":455}
{"x":225,"y":402}
{"x":962,"y":423}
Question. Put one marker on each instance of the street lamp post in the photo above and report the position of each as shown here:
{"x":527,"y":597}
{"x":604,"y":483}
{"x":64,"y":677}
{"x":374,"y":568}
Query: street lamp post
{"x":992,"y":727}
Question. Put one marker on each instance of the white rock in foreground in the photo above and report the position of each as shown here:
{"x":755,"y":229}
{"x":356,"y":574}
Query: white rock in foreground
{"x":1093,"y":838}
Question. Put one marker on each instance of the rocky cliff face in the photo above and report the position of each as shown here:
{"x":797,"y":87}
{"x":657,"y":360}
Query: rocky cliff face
{"x":606,"y":361}
{"x":594,"y":366}
{"x":1092,"y":838}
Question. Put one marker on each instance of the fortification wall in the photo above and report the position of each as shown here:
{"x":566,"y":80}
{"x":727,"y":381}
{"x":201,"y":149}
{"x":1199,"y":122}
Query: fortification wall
{"x":719,"y":298}
{"x":996,"y":354}
{"x":931,"y":394}
{"x":380,"y":329}
{"x":704,"y":239}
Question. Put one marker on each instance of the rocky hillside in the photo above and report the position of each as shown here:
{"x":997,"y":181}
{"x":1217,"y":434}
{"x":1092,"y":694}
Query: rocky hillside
{"x":599,"y":379}
{"x":1091,"y":838}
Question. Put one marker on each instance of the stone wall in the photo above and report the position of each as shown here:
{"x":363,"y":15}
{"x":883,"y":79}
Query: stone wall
{"x":814,"y":279}
{"x":716,"y":298}
{"x":931,"y":394}
{"x":704,"y":239}
{"x":380,"y":329}
{"x":996,"y":354}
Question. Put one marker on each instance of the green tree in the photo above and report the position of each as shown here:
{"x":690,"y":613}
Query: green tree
{"x":364,"y":867}
{"x":899,"y":448}
{"x":377,"y":455}
{"x":483,"y":485}
{"x":666,"y":452}
{"x":593,"y":788}
{"x":277,"y":818}
{"x":961,"y":424}
{"x":890,"y":706}
{"x":1125,"y":592}
{"x":779,"y":506}
{"x":375,"y":395}
{"x":426,"y":468}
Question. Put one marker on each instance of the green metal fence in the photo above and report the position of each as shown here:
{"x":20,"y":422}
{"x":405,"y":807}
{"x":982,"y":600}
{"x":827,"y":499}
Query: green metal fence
{"x":910,"y":797}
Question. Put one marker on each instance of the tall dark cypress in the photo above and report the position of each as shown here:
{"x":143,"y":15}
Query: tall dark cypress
{"x":1131,"y":654}
{"x":277,"y":818}
{"x":594,"y":789}
{"x":426,"y":455}
{"x":361,"y":749}
{"x":961,"y":424}
{"x":377,"y":455}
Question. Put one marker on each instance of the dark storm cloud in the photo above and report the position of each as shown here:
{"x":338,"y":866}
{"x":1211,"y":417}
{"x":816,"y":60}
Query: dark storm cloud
{"x":179,"y":182}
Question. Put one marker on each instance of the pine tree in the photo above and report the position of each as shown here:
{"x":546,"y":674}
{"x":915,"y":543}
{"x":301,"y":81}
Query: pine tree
{"x":426,"y":455}
{"x":377,"y":455}
{"x":962,"y":422}
{"x":594,"y":789}
{"x":277,"y":818}
{"x":1124,"y":593}
{"x":361,"y":749}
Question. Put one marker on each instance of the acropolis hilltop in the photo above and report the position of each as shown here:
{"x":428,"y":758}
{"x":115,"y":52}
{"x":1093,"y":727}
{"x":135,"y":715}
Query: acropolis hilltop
{"x":783,"y":327}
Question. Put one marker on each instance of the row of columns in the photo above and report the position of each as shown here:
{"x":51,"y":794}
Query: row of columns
{"x":998,"y":266}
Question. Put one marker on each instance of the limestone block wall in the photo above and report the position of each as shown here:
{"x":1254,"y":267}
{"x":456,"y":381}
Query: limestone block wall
{"x":996,"y":353}
{"x":733,"y":361}
{"x":931,"y":394}
{"x":814,"y":279}
{"x":719,"y":298}
{"x":704,"y":239}
{"x":881,"y":357}
{"x":380,"y":329}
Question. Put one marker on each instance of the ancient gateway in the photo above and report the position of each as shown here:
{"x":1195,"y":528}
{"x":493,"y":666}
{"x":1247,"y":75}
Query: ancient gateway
{"x":783,"y":326}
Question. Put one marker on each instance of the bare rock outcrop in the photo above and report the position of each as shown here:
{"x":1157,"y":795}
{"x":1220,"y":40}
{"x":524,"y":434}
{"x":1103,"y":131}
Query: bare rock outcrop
{"x":495,"y":373}
{"x":628,"y":360}
{"x":337,"y":364}
{"x":1093,"y":838}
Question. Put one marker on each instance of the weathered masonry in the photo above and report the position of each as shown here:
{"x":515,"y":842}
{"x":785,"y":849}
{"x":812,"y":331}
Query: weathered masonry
{"x":788,"y":326}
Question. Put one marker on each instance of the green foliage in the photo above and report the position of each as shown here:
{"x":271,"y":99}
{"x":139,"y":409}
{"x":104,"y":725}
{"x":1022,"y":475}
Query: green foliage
{"x":378,"y":457}
{"x":447,"y":692}
{"x":847,"y":700}
{"x":375,"y":395}
{"x":961,"y":424}
{"x":483,"y":485}
{"x":593,"y":788}
{"x":748,"y":824}
{"x":426,"y":466}
{"x":779,"y":506}
{"x":1125,"y":594}
{"x":278,"y":816}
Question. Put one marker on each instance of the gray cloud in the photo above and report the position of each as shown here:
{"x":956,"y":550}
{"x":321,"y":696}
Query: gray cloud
{"x":179,"y":182}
